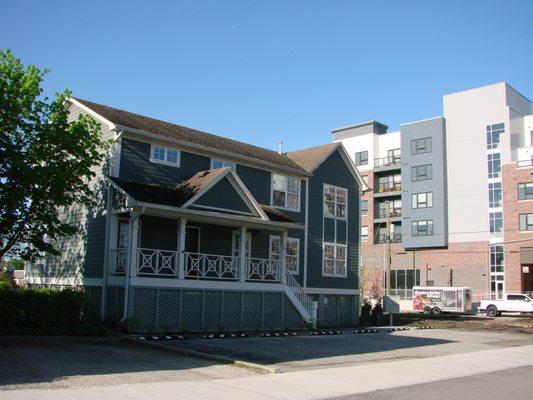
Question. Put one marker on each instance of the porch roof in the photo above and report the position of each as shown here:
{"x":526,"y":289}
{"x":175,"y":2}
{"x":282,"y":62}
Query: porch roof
{"x":185,"y":191}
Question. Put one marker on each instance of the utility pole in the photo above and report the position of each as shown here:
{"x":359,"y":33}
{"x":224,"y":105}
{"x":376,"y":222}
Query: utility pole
{"x":388,"y":255}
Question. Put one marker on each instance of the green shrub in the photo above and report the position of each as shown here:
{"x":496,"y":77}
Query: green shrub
{"x":41,"y":309}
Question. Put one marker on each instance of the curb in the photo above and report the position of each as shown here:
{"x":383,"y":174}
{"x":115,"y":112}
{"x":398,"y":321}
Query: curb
{"x":206,"y":356}
{"x":63,"y":338}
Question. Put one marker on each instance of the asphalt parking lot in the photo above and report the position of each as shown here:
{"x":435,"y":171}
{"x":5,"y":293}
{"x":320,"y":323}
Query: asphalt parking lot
{"x":59,"y":363}
{"x":285,"y":354}
{"x":55,"y":363}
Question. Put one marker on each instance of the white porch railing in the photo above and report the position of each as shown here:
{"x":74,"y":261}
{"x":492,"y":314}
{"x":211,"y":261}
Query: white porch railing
{"x":117,"y":259}
{"x":263,"y":269}
{"x":157,"y":262}
{"x":211,"y":266}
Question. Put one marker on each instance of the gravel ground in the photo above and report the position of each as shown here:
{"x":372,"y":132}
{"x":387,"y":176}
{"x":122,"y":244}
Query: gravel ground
{"x":53,"y":363}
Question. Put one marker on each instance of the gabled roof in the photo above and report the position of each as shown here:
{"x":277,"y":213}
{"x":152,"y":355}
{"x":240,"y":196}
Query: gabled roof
{"x":187,"y":192}
{"x":125,"y":119}
{"x":311,"y":158}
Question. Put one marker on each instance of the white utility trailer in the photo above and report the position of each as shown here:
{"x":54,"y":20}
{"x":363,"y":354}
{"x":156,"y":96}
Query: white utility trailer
{"x":436,"y":300}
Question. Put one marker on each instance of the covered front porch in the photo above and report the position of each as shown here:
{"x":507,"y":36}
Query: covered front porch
{"x":190,"y":249}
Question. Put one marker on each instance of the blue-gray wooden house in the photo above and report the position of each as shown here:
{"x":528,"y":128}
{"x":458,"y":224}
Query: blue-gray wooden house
{"x":195,"y":232}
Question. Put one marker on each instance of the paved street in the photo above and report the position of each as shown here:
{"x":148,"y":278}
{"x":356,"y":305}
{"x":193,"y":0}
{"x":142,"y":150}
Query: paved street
{"x":515,"y":384}
{"x":309,"y":384}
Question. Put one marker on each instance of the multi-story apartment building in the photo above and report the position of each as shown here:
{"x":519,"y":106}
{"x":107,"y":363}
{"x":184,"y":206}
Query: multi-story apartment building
{"x":196,"y":232}
{"x":453,"y":194}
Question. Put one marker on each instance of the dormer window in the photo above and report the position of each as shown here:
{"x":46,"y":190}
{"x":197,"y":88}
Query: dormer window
{"x":219,"y":163}
{"x":165,"y":155}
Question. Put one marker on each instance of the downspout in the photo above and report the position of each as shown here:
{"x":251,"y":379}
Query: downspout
{"x":128,"y":274}
{"x":111,"y":171}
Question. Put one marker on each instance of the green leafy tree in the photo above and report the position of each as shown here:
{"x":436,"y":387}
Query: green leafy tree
{"x":46,"y":161}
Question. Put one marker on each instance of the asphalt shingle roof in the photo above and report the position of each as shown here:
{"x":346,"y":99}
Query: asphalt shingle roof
{"x":309,"y":158}
{"x":193,"y":136}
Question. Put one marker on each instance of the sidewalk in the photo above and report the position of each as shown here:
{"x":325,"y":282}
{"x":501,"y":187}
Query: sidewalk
{"x":311,"y":384}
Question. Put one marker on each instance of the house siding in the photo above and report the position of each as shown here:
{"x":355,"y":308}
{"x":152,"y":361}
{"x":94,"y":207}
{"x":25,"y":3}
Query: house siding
{"x":223,"y":195}
{"x":333,"y":171}
{"x":82,"y":254}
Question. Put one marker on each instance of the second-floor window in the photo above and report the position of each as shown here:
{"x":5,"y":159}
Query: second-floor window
{"x":525,"y":191}
{"x":219,"y":163}
{"x":422,"y":200}
{"x":361,"y":158}
{"x":419,"y":146}
{"x":165,"y":155}
{"x":526,"y":222}
{"x":422,"y":228}
{"x":495,"y":222}
{"x":335,"y":201}
{"x":422,"y":173}
{"x":286,"y":192}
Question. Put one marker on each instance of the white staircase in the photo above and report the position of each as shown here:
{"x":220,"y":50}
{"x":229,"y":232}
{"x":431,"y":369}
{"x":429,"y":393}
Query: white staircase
{"x":300,"y":300}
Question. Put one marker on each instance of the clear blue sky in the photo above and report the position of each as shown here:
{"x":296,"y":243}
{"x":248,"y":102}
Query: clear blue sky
{"x":259,"y":71}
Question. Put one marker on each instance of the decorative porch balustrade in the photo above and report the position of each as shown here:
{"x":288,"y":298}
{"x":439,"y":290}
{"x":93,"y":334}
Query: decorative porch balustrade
{"x":153,"y":262}
{"x":211,"y":266}
{"x":262,"y":269}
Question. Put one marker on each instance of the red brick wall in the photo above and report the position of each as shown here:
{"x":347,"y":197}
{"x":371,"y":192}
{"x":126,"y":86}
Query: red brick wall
{"x":511,"y":177}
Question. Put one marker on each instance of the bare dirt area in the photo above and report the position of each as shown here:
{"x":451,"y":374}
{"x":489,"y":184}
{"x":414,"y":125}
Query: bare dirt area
{"x":512,"y":324}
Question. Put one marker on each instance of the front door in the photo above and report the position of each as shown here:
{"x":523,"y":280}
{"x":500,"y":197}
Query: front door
{"x":192,"y":239}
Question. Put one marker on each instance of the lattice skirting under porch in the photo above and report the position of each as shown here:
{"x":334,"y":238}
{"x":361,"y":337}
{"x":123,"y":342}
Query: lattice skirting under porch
{"x":192,"y":310}
{"x":337,"y":310}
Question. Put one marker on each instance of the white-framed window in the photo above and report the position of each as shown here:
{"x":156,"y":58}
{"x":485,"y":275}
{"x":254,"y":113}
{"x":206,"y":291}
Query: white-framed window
{"x":364,"y":233}
{"x":496,"y":223}
{"x":422,"y":200}
{"x":497,"y":257}
{"x":495,"y":194}
{"x":335,"y":202}
{"x":292,"y":252}
{"x":285,"y":192}
{"x":494,"y":165}
{"x":164,"y":155}
{"x":334,"y":259}
{"x":525,"y":191}
{"x":364,"y":207}
{"x":219,"y":163}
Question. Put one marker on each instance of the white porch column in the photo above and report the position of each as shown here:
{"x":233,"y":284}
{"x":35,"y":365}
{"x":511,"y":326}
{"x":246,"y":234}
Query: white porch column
{"x":134,"y":247}
{"x":242,"y":254}
{"x":180,"y":257}
{"x":283,"y":259}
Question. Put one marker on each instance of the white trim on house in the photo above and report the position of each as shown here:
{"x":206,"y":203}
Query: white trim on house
{"x":165,"y":155}
{"x":286,"y":192}
{"x":205,"y":284}
{"x":353,"y":292}
{"x":202,"y":206}
{"x":235,"y":243}
{"x":112,"y":126}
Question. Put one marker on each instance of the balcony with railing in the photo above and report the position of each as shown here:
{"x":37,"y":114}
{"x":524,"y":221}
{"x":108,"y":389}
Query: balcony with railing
{"x":388,"y":163}
{"x":393,"y":213}
{"x":388,"y":188}
{"x":384,"y":238}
